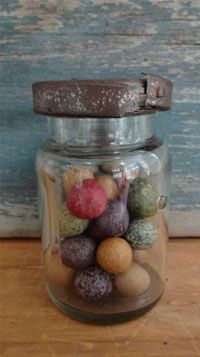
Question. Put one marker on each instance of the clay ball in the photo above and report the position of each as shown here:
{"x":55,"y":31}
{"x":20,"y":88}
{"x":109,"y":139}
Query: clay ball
{"x":68,"y":224}
{"x":142,"y":200}
{"x":93,"y":283}
{"x":133,"y":282}
{"x":112,"y":223}
{"x":111,"y":168}
{"x":109,"y":185}
{"x":114,"y":255}
{"x":141,"y":234}
{"x":74,"y":175}
{"x":78,"y":252}
{"x":87,"y":199}
{"x":132,"y":171}
{"x":55,"y":271}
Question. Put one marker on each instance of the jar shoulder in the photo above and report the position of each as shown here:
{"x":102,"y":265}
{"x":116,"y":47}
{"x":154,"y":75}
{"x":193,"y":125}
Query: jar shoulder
{"x":148,"y":160}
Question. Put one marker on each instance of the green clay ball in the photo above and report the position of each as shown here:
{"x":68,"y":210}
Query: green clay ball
{"x":70,"y":225}
{"x":141,"y":234}
{"x":142,"y":200}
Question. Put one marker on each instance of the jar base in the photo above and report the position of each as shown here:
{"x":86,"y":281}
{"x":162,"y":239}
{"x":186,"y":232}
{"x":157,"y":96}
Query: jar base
{"x":103,"y":319}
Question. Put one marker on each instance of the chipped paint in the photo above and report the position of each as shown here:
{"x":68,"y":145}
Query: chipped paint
{"x":117,"y":2}
{"x":48,"y":23}
{"x":19,"y":220}
{"x":64,"y":39}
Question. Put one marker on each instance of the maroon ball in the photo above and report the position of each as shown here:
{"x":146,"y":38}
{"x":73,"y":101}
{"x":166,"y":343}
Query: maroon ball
{"x":112,"y":223}
{"x":87,"y":199}
{"x":93,"y":283}
{"x":78,"y":252}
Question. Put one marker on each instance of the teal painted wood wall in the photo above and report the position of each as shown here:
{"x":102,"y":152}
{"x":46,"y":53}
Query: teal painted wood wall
{"x":57,"y":39}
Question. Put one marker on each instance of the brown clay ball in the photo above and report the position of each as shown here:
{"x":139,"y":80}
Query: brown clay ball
{"x":55,"y":271}
{"x":133,"y":282}
{"x":111,"y":168}
{"x":114,"y":255}
{"x":74,"y":175}
{"x":109,"y":186}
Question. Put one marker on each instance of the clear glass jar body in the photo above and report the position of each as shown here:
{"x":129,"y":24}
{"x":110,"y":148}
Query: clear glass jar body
{"x":103,"y":189}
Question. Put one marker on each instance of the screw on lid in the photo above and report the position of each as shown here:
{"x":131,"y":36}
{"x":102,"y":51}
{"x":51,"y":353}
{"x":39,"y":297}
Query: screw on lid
{"x":102,"y":98}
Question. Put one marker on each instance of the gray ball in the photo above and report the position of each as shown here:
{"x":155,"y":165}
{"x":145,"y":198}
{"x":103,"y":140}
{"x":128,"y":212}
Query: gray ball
{"x":78,"y":252}
{"x":93,"y":283}
{"x":141,"y":234}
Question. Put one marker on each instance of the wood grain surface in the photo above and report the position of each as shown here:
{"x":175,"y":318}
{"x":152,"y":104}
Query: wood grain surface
{"x":32,"y":326}
{"x":57,"y":39}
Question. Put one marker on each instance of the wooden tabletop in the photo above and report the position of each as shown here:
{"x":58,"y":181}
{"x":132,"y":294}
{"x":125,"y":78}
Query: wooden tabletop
{"x":32,"y":326}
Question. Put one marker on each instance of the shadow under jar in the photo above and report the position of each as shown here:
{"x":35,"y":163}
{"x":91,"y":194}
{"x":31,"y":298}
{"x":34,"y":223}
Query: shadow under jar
{"x":104,"y":182}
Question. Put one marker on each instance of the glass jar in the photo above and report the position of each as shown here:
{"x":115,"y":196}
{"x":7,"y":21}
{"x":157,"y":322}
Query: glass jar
{"x":104,"y":182}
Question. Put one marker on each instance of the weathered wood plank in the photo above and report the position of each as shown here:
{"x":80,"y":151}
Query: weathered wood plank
{"x":94,"y":39}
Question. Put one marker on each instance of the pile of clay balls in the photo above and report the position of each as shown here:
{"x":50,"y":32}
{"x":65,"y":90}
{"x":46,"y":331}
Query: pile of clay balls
{"x":103,"y":220}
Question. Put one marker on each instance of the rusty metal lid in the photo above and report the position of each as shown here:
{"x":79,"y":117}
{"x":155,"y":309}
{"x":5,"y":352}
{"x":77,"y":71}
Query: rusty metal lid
{"x":102,"y":98}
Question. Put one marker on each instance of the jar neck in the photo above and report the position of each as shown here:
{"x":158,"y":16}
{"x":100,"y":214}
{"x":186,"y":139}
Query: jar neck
{"x":102,"y":133}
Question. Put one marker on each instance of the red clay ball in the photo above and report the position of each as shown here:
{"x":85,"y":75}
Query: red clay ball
{"x":87,"y":199}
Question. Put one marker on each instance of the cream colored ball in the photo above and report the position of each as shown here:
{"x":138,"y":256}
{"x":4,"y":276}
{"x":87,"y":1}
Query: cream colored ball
{"x":114,"y":255}
{"x":133,"y":282}
{"x":109,"y":186}
{"x":55,"y":271}
{"x":74,"y":175}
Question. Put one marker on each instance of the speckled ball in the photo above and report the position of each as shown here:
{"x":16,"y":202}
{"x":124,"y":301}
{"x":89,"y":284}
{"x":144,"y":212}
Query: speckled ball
{"x":133,"y":282}
{"x":142,"y":200}
{"x":55,"y":271}
{"x":93,"y":283}
{"x":74,"y":175}
{"x":141,"y":234}
{"x":68,"y":224}
{"x":112,"y":223}
{"x":78,"y":252}
{"x":109,"y":186}
{"x":114,"y":255}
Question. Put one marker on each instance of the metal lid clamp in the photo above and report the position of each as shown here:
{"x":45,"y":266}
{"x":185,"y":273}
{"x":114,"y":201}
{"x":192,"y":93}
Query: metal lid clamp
{"x":158,"y":93}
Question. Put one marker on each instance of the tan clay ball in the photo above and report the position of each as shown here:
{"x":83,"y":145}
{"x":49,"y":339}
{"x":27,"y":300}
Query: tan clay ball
{"x":74,"y":175}
{"x":133,"y":282}
{"x":55,"y":271}
{"x":109,"y":186}
{"x":114,"y":255}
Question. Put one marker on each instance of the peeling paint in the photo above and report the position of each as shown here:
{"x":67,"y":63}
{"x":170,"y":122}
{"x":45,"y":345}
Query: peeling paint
{"x":48,"y":23}
{"x":117,"y":2}
{"x":64,"y":39}
{"x":20,"y":220}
